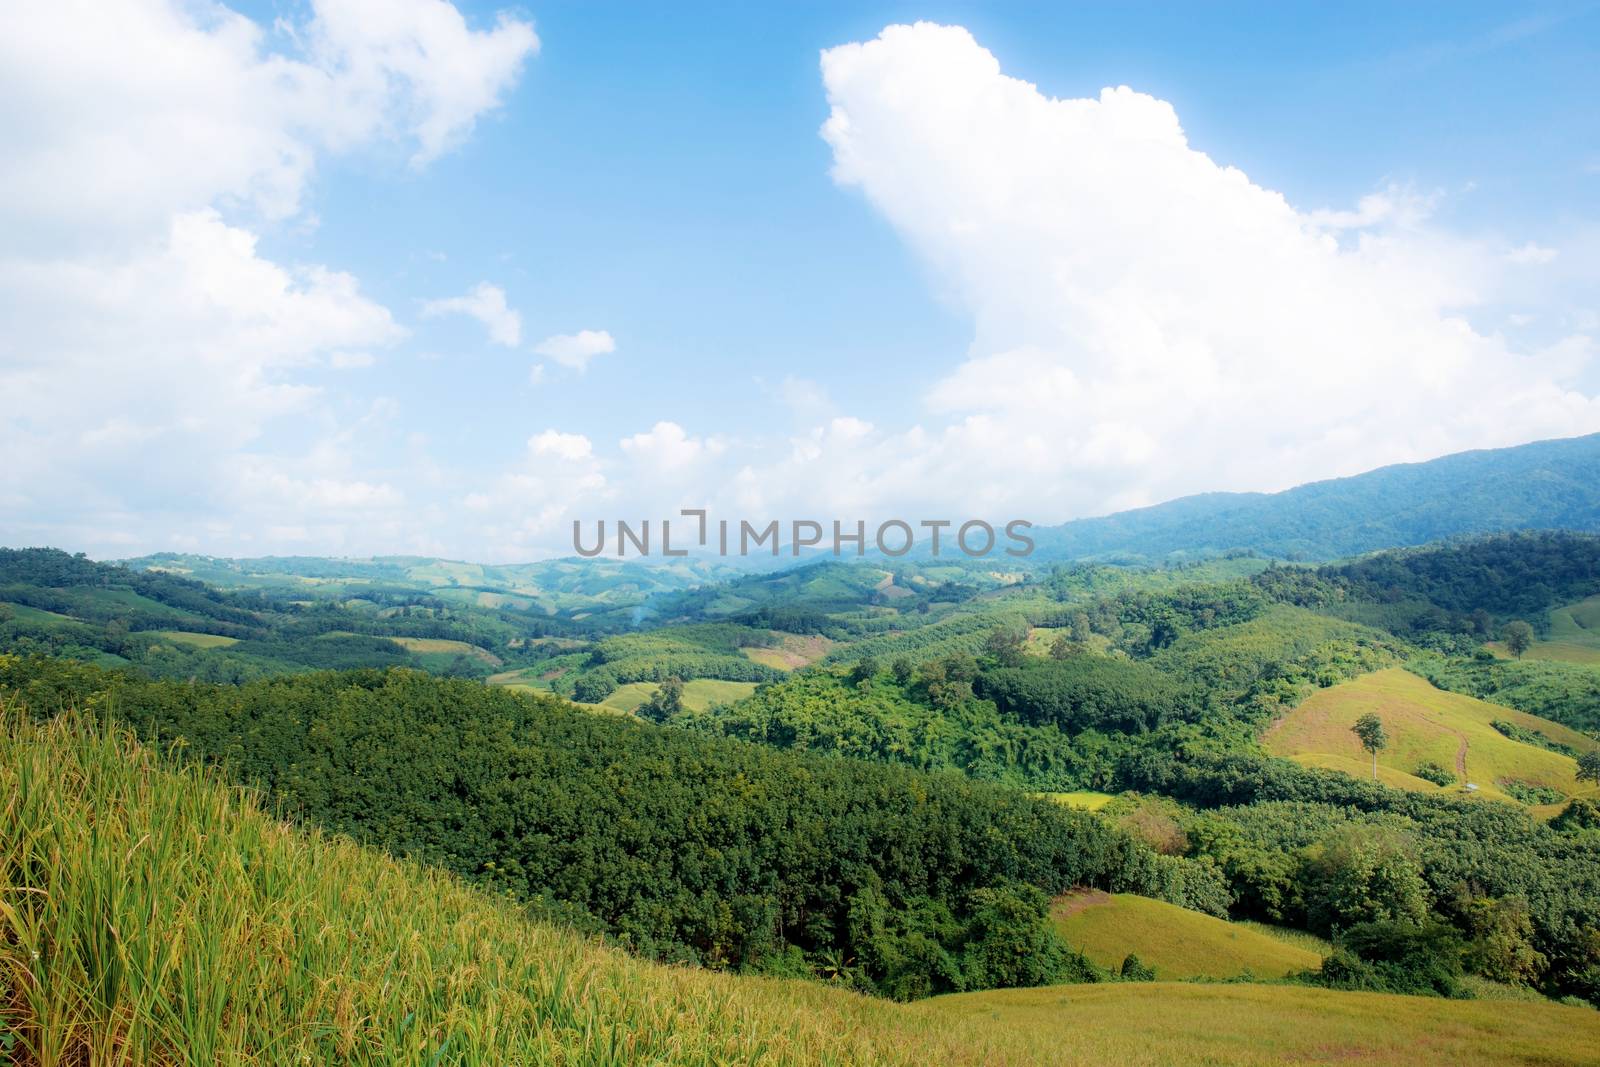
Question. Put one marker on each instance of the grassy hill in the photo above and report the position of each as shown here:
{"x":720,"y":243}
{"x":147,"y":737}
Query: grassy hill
{"x":1572,"y":636}
{"x":1428,"y":725}
{"x":1176,"y":942}
{"x":181,"y":924}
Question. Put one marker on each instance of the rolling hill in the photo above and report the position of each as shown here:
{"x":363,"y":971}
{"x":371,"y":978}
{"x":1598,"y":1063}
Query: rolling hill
{"x":1427,"y":725}
{"x":1175,"y":942}
{"x":1544,"y":485}
{"x":292,"y":946}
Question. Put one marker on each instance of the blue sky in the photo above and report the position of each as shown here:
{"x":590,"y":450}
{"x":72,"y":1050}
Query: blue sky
{"x":658,"y":174}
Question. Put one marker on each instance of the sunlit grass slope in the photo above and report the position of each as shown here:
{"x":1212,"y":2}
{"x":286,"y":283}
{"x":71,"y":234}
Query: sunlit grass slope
{"x":1242,"y":1025}
{"x":1573,"y":637}
{"x":698,"y":694}
{"x":1425,"y":724}
{"x":1176,"y":942}
{"x":149,"y":916}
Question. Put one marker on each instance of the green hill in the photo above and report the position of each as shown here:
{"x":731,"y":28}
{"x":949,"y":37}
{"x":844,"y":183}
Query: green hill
{"x":181,"y":924}
{"x":1175,"y":942}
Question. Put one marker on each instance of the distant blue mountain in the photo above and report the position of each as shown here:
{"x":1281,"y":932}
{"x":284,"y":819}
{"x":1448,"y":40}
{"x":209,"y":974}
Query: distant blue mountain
{"x":1544,"y":485}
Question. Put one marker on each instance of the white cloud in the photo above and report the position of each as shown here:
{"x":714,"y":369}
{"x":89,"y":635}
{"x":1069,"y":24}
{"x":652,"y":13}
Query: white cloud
{"x":568,"y":446}
{"x":666,"y":446}
{"x":1149,"y":322}
{"x":487,"y":304}
{"x":153,"y":358}
{"x":1531,"y":254}
{"x":576,"y":349}
{"x":141,"y":108}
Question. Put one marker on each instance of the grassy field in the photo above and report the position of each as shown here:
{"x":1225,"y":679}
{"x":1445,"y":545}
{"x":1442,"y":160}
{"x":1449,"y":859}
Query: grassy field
{"x":1177,"y":942}
{"x":1573,"y":637}
{"x":1164,"y":1023}
{"x":439,"y":647}
{"x":37,"y":616}
{"x":1082,"y":799}
{"x":698,"y":695}
{"x":1424,"y":723}
{"x":792,"y":653}
{"x":182,"y":925}
{"x":196,"y":640}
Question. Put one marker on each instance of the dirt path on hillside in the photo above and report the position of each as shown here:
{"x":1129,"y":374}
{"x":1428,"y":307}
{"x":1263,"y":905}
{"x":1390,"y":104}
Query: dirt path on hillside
{"x":1461,"y":760}
{"x":1073,"y":901}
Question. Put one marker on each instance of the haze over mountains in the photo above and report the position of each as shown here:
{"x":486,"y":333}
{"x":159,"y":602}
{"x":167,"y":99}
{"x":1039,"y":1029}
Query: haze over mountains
{"x":1543,"y":485}
{"x":1551,"y":484}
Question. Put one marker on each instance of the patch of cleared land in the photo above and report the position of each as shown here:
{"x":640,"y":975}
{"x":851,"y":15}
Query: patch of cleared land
{"x":425,"y":646}
{"x":1082,"y":799}
{"x":196,"y":640}
{"x":792,"y":653}
{"x":1426,"y":724}
{"x":1177,"y":942}
{"x":698,"y":695}
{"x":37,"y":616}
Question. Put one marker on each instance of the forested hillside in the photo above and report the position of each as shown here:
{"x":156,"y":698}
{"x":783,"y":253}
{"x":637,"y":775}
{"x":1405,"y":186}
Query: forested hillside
{"x":1545,"y":485}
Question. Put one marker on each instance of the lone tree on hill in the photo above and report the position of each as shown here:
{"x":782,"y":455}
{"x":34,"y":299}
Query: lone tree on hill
{"x":1589,"y":767}
{"x":666,"y":702}
{"x":1370,"y":729}
{"x":1519,"y":637}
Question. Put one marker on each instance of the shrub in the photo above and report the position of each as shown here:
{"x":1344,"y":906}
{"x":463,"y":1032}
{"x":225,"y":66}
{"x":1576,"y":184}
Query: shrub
{"x":1430,"y":771}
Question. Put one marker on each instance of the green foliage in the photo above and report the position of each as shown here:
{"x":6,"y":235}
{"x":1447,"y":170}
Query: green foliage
{"x":1369,"y":728}
{"x":1361,"y":875}
{"x":1518,"y":637}
{"x":1581,"y":813}
{"x":1271,"y":827}
{"x":1535,"y":738}
{"x":1134,"y":971}
{"x":1396,"y":956}
{"x":683,"y":847}
{"x":665,"y":702}
{"x":819,"y":711}
{"x":1589,"y":767}
{"x":1430,"y":771}
{"x":1087,"y":692}
{"x":1531,"y":793}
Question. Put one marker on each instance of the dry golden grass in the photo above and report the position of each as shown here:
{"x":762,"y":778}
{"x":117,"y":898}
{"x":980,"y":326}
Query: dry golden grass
{"x":1424,"y":723}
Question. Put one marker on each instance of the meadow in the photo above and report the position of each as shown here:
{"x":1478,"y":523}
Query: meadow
{"x":1175,"y":942}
